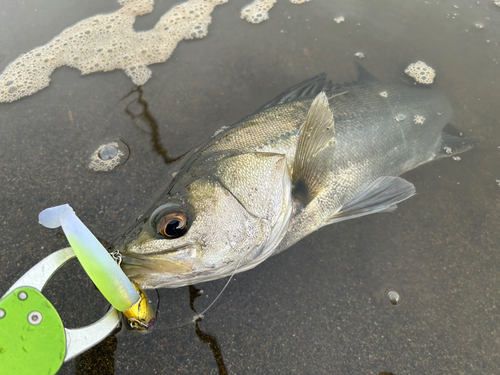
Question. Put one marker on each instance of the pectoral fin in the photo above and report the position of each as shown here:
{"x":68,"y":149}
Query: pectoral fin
{"x":313,"y":158}
{"x":382,"y":195}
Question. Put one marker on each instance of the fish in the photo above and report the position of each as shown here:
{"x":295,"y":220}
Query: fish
{"x":315,"y":155}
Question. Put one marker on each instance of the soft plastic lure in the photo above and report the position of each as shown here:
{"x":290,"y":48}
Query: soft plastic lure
{"x":96,"y":261}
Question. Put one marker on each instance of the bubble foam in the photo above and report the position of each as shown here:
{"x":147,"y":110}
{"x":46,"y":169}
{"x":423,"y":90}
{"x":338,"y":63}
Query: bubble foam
{"x":98,"y":164}
{"x":421,"y":72}
{"x":418,"y":119}
{"x":257,"y":11}
{"x":108,"y":41}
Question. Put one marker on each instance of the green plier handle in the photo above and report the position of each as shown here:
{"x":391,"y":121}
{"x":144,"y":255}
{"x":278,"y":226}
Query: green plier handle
{"x":33,"y":339}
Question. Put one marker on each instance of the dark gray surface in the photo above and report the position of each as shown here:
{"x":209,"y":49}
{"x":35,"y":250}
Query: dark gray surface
{"x":319,"y":307}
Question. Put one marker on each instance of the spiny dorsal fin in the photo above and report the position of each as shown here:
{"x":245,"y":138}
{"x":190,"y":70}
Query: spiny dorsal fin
{"x":313,"y":158}
{"x":308,"y":88}
{"x":364,"y":75}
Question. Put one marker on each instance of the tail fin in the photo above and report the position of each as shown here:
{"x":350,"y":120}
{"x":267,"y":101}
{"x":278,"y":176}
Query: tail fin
{"x":453,"y":142}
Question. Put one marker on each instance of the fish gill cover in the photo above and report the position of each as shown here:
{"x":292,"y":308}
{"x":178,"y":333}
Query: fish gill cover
{"x":108,"y":41}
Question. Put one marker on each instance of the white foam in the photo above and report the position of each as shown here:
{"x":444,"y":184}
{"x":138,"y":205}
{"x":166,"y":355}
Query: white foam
{"x":400,"y":117}
{"x":258,"y":10}
{"x":421,"y":72}
{"x":418,"y":119}
{"x":99,"y":165}
{"x":108,"y":41}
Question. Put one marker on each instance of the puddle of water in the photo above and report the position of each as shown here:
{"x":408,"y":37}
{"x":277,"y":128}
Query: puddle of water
{"x":321,"y":306}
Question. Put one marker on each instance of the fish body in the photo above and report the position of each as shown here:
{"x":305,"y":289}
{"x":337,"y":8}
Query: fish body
{"x":315,"y":155}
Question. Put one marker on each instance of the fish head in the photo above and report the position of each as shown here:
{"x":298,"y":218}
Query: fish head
{"x":214,"y":219}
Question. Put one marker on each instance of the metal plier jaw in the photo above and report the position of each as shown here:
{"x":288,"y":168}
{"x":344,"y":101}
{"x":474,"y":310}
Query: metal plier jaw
{"x":32,"y":336}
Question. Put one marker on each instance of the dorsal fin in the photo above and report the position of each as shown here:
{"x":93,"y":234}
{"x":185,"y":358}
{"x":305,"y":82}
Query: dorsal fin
{"x":309,"y":88}
{"x":313,"y":158}
{"x":364,"y":75}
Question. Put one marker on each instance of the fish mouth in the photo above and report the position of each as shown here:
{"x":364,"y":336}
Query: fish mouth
{"x":174,"y":261}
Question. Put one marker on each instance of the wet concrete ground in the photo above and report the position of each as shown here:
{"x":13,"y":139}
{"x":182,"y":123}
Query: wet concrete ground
{"x":321,"y":306}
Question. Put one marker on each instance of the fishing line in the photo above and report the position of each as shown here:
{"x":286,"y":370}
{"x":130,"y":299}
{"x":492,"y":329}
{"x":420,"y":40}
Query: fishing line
{"x":222,"y":291}
{"x":200,"y":316}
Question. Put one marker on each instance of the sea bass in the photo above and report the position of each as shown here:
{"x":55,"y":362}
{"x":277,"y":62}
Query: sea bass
{"x":316,"y":155}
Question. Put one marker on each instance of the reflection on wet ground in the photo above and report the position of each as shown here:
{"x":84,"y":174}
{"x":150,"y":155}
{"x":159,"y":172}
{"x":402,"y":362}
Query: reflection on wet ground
{"x":205,"y":337}
{"x":101,"y":358}
{"x":139,"y":112}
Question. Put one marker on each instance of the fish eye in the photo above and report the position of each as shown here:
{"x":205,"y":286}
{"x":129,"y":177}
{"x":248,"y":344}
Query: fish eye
{"x":170,"y":221}
{"x":172,"y":225}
